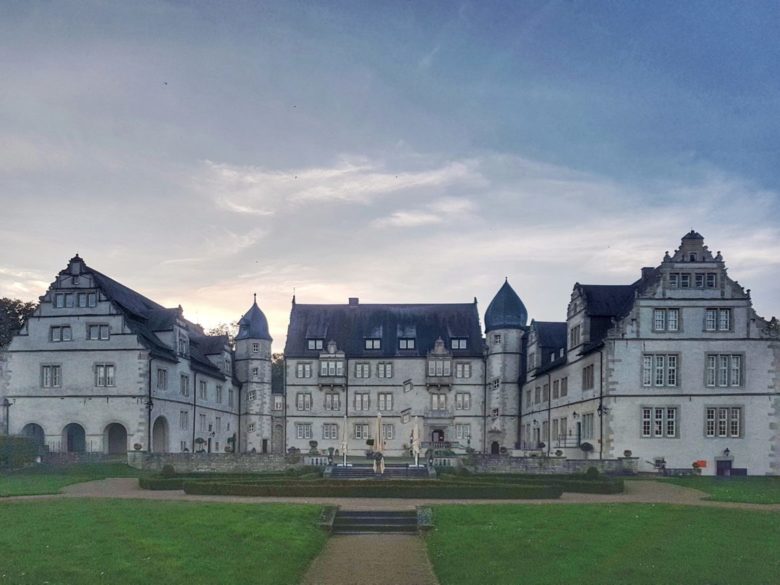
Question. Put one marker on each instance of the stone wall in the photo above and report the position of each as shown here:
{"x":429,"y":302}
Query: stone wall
{"x":209,"y":462}
{"x":555,"y":465}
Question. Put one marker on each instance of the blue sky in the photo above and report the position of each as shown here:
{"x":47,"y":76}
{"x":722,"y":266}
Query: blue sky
{"x":395,"y":151}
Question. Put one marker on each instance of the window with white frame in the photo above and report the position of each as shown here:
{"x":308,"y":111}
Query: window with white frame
{"x":251,"y":395}
{"x":438,"y":401}
{"x":361,"y":431}
{"x":303,"y":401}
{"x":99,"y":332}
{"x":384,"y":370}
{"x":564,"y":386}
{"x":538,"y":394}
{"x":202,"y":390}
{"x":587,"y":377}
{"x":528,"y":398}
{"x":255,"y":347}
{"x":712,"y":280}
{"x":723,"y":421}
{"x":666,"y":320}
{"x":278,"y":402}
{"x":51,"y":376}
{"x":532,"y":360}
{"x":717,"y":320}
{"x":218,"y":394}
{"x":202,"y":422}
{"x":385,"y":401}
{"x":362,"y":370}
{"x":303,"y":370}
{"x":660,"y":370}
{"x":462,"y":432}
{"x":373,"y":343}
{"x":575,"y":335}
{"x":162,"y":379}
{"x":463,"y":370}
{"x":587,"y":426}
{"x":303,"y":430}
{"x":406,"y":343}
{"x":562,"y":427}
{"x":463,"y":401}
{"x":184,"y":420}
{"x":332,"y":401}
{"x":362,"y":401}
{"x":250,"y":428}
{"x":439,"y":367}
{"x":314,"y":344}
{"x":63,"y":301}
{"x":255,"y":372}
{"x":330,"y":431}
{"x":459,"y":343}
{"x":659,"y":422}
{"x":723,"y":370}
{"x":60,"y":333}
{"x":104,"y":375}
{"x":388,"y":432}
{"x":331,"y":368}
{"x":184,"y":385}
{"x":231,"y":397}
{"x":496,"y":338}
{"x":555,"y":389}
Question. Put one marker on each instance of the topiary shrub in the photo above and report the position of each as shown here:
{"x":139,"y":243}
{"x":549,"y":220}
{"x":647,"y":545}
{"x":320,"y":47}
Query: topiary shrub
{"x":17,"y":451}
{"x":167,"y":471}
{"x":592,"y":473}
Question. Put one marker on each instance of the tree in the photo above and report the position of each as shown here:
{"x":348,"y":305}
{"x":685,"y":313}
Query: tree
{"x":277,"y":373}
{"x":13,"y":314}
{"x":231,"y":330}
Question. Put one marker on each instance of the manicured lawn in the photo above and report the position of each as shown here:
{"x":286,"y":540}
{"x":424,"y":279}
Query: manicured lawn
{"x":621,"y":544}
{"x":86,"y":542}
{"x":49,"y":480}
{"x":753,"y":490}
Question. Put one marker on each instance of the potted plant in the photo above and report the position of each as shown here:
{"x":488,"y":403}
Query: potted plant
{"x":558,"y":453}
{"x":137,"y":446}
{"x":586,"y":447}
{"x":627,"y":453}
{"x":696,"y":468}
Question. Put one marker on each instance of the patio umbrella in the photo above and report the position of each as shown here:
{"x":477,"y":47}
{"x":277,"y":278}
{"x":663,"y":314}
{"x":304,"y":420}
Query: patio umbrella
{"x":416,"y":441}
{"x":379,"y":465}
{"x":344,"y":441}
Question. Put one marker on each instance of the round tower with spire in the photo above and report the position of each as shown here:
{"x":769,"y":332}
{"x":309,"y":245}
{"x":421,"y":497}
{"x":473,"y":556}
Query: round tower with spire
{"x":505,"y":329}
{"x":253,"y":371}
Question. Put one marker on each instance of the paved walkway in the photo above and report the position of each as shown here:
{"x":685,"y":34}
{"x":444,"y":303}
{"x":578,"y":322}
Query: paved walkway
{"x":637,"y":491}
{"x":372,"y":559}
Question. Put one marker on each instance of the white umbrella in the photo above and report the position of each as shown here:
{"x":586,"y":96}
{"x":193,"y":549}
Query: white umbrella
{"x":416,"y":442}
{"x":379,"y":465}
{"x":344,"y":441}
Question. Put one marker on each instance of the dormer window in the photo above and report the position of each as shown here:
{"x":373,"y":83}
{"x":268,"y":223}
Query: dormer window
{"x":459,"y":343}
{"x":373,"y":343}
{"x":692,"y":257}
{"x":183,"y":345}
{"x":406,"y":343}
{"x":315,"y":344}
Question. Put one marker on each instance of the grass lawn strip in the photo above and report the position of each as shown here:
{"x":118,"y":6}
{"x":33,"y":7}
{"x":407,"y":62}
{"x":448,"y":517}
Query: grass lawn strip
{"x":751,"y":490}
{"x":636,"y":544}
{"x":89,"y":542}
{"x":50,"y":480}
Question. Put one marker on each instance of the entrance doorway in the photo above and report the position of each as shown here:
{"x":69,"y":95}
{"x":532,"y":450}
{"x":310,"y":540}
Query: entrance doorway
{"x":74,"y":438}
{"x":723,"y":467}
{"x":35,"y":432}
{"x":160,"y":435}
{"x":495,"y":448}
{"x":437,"y":436}
{"x":115,"y":437}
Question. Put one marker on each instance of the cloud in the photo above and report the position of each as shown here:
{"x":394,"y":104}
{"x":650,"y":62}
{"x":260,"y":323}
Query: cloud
{"x":439,"y":211}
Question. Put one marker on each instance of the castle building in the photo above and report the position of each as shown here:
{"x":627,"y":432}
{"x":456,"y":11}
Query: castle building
{"x":674,"y":369}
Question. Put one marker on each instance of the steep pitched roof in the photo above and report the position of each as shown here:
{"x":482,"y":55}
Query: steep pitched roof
{"x":506,"y":310}
{"x":608,"y":300}
{"x":551,"y":334}
{"x":253,"y":325}
{"x":350,"y":325}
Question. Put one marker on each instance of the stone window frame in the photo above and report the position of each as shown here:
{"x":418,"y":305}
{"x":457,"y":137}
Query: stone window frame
{"x":459,"y":343}
{"x":303,"y":401}
{"x":303,"y":370}
{"x":729,"y":421}
{"x":664,"y":421}
{"x":717,"y":310}
{"x":100,"y":329}
{"x":463,"y":401}
{"x":363,"y":403}
{"x":58,"y":369}
{"x":665,"y":328}
{"x":362,"y":370}
{"x":335,"y":401}
{"x":407,"y":343}
{"x":330,"y":431}
{"x":162,"y":380}
{"x":731,"y":354}
{"x":304,"y":431}
{"x":184,"y":385}
{"x":384,"y":401}
{"x":315,"y":343}
{"x":653,"y":367}
{"x":60,"y":330}
{"x":384,"y":370}
{"x":104,"y":365}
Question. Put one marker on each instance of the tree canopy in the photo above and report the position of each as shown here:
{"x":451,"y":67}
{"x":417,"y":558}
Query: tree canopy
{"x":13,"y":313}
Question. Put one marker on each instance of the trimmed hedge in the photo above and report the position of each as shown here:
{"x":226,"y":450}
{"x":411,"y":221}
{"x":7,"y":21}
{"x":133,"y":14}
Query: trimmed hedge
{"x":17,"y":451}
{"x":568,"y":483}
{"x":375,"y":489}
{"x":161,"y":483}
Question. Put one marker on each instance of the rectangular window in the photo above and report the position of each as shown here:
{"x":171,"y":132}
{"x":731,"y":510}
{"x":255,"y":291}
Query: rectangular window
{"x":574,"y":337}
{"x":314,"y":344}
{"x":331,"y":368}
{"x":202,"y":422}
{"x":685,"y":280}
{"x":303,"y":370}
{"x":659,"y":320}
{"x":362,"y":370}
{"x":459,"y":343}
{"x":528,"y":400}
{"x":463,"y":370}
{"x":587,"y":426}
{"x":332,"y":401}
{"x":251,"y":395}
{"x":202,"y":390}
{"x":439,"y":367}
{"x":98,"y":332}
{"x":250,"y":428}
{"x":712,"y":280}
{"x":587,"y":377}
{"x":60,"y":333}
{"x":724,"y":319}
{"x":104,"y":375}
{"x":219,"y":394}
{"x":406,"y":343}
{"x":674,"y":280}
{"x":184,"y":420}
{"x":496,"y":338}
{"x":385,"y":401}
{"x":538,"y":394}
{"x":303,"y":401}
{"x":388,"y":432}
{"x":361,"y":431}
{"x":278,"y":402}
{"x":723,"y":370}
{"x":564,"y":386}
{"x":373,"y":343}
{"x":231,"y":397}
{"x":463,"y":401}
{"x":556,"y":386}
{"x":51,"y":376}
{"x":184,"y":385}
{"x":462,"y":432}
{"x":384,"y":370}
{"x":723,"y":422}
{"x":303,"y":430}
{"x":666,"y":320}
{"x":699,"y":279}
{"x":255,"y":372}
{"x":660,"y":370}
{"x":255,"y":347}
{"x":330,"y":431}
{"x":546,"y":393}
{"x":438,"y":402}
{"x":563,"y":428}
{"x":162,"y":379}
{"x":362,"y":401}
{"x":659,"y":422}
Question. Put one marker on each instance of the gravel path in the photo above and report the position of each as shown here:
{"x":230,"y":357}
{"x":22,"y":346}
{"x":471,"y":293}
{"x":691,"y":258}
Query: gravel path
{"x":372,"y":559}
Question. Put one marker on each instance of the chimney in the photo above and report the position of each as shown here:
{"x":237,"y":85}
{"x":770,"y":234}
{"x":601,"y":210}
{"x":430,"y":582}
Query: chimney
{"x":354,"y":301}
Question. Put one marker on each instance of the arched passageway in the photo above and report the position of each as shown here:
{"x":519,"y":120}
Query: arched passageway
{"x":74,"y":439}
{"x":115,"y":439}
{"x":160,"y":435}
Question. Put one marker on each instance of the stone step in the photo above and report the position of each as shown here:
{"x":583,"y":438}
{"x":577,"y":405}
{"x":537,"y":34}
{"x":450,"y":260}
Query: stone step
{"x":375,"y":521}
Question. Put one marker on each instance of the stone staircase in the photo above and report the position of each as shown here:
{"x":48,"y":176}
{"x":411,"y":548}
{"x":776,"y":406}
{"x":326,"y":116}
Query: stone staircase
{"x":375,"y":522}
{"x":367,"y":472}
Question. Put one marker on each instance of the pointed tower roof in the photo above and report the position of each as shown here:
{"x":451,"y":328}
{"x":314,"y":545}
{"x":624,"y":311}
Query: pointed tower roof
{"x":506,"y":310}
{"x":253,"y":325}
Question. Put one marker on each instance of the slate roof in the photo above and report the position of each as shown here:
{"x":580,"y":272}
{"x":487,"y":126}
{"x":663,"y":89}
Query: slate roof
{"x":253,"y":325}
{"x":144,"y":317}
{"x":350,"y":325}
{"x":550,"y":334}
{"x":608,"y":300}
{"x":506,"y":310}
{"x":693,"y":235}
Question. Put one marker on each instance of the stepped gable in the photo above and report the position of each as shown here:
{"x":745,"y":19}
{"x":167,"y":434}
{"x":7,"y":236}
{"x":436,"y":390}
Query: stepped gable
{"x":349,"y":325}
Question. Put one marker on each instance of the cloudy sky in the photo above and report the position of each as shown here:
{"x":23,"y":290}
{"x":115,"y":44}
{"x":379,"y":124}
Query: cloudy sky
{"x":395,"y":151}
